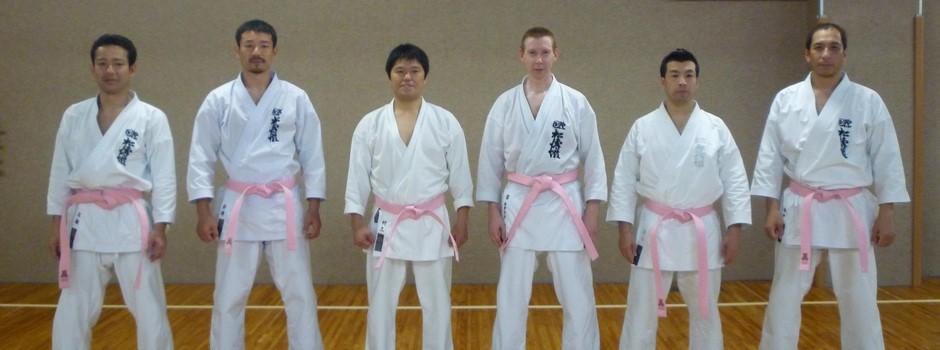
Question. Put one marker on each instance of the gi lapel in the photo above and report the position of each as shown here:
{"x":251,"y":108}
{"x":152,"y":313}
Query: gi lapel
{"x":259,"y":116}
{"x":539,"y":142}
{"x":678,"y":147}
{"x":121,"y":139}
{"x":821,"y":137}
{"x":522,"y":105}
{"x":408,"y":153}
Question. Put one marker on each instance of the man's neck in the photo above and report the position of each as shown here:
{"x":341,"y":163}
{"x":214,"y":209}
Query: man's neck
{"x":110,"y":107}
{"x":406,"y":117}
{"x":538,"y":85}
{"x":823,"y":88}
{"x":115,"y":101}
{"x":825,"y":84}
{"x":679,"y":112}
{"x":407,"y":107}
{"x":256,"y":83}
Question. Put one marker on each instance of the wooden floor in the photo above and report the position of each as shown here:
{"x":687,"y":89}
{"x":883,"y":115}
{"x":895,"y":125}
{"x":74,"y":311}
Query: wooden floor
{"x":910,"y":317}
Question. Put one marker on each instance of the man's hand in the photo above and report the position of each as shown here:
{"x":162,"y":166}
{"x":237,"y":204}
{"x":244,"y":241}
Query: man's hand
{"x":773,"y":224}
{"x":459,"y":229}
{"x":362,"y":237}
{"x":207,"y":224}
{"x":590,"y":217}
{"x":730,"y":243}
{"x":156,"y":245}
{"x":497,"y":228}
{"x":312,"y":218}
{"x":627,"y":241}
{"x":882,"y":234}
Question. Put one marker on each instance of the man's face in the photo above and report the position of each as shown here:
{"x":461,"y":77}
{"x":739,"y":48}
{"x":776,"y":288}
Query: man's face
{"x":680,"y":81}
{"x":111,"y":69}
{"x":407,"y":79}
{"x":538,"y":56}
{"x":256,"y":52}
{"x":826,"y":54}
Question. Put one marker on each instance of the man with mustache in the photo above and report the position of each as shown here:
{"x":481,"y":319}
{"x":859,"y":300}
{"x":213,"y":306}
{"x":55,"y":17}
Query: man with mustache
{"x":835,"y":142}
{"x":264,"y":131}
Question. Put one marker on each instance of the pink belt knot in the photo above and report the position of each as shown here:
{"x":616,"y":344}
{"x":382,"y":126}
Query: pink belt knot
{"x":810,"y":194}
{"x":544,"y":183}
{"x":412,"y":212}
{"x":107,"y":199}
{"x":701,"y":244}
{"x":265,"y":190}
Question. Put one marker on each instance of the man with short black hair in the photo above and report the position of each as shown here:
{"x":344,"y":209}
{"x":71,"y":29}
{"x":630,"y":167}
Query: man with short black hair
{"x":680,"y":159}
{"x":407,"y":154}
{"x":109,"y":150}
{"x":264,"y":131}
{"x":834,"y":140}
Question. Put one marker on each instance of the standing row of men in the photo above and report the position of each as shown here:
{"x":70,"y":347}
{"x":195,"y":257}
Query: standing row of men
{"x":830,"y":137}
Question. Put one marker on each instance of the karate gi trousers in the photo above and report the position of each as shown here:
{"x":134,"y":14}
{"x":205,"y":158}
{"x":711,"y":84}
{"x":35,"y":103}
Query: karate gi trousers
{"x":234,"y":277}
{"x":855,"y":291}
{"x":432,"y":280}
{"x":574,"y":286}
{"x":80,"y":304}
{"x":641,"y":321}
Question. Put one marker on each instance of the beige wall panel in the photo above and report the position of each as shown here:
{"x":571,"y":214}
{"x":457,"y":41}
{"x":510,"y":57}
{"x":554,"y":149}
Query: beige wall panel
{"x":931,"y":235}
{"x":748,"y":50}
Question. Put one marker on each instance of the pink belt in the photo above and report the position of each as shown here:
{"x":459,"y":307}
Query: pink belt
{"x":412,"y":212}
{"x":107,"y":199}
{"x":264,"y":190}
{"x":701,"y":245}
{"x":544,"y":183}
{"x":806,"y":227}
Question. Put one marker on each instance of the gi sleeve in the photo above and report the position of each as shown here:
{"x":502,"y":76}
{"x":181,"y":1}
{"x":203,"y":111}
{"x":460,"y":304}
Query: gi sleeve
{"x":59,"y":192}
{"x":358,"y":181}
{"x":736,"y":200}
{"x":589,"y":147}
{"x":162,"y":164}
{"x":768,"y":171}
{"x":885,"y":157}
{"x":622,"y":205}
{"x":309,"y":142}
{"x":204,"y":149}
{"x":460,"y":183}
{"x":491,"y":166}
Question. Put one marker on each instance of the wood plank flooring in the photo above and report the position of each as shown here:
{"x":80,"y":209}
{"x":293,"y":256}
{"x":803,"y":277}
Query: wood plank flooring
{"x":909,"y":315}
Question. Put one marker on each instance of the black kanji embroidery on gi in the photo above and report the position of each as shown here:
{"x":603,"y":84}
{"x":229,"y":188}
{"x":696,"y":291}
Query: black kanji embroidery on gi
{"x":275,"y":121}
{"x":844,"y":126}
{"x":127,"y":147}
{"x":554,"y":147}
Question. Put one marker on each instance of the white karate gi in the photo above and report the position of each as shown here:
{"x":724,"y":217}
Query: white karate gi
{"x":850,"y":144}
{"x":682,"y":171}
{"x":434,"y":161}
{"x":562,"y":138}
{"x":257,"y":143}
{"x":136,"y":152}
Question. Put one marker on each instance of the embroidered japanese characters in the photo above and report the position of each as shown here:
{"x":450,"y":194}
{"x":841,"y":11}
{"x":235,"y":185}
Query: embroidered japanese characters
{"x":844,"y":126}
{"x":275,"y":122}
{"x":127,"y":147}
{"x":554,"y":147}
